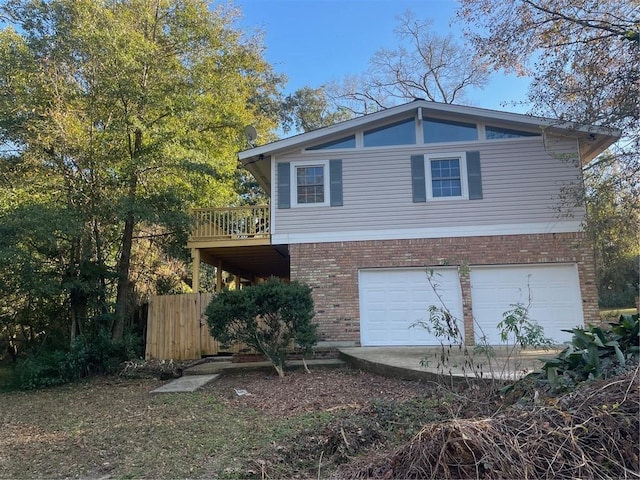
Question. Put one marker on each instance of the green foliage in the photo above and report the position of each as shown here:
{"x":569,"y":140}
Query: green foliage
{"x":98,"y":354}
{"x":516,"y":328}
{"x":268,"y":317}
{"x":613,"y":226}
{"x":309,"y":109}
{"x":115,"y":119}
{"x":594,"y":353}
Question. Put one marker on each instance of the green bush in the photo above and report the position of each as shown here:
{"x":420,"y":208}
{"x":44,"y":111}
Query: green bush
{"x":593,"y":353}
{"x":267,"y":317}
{"x":89,"y":355}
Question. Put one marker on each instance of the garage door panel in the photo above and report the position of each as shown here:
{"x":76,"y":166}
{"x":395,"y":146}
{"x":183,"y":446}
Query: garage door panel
{"x":392,"y":300}
{"x":553,"y":292}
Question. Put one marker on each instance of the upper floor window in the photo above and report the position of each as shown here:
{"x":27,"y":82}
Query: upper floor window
{"x":446,"y":176}
{"x":399,"y":133}
{"x":346,"y":142}
{"x":496,"y":133}
{"x":434,"y":131}
{"x":310,"y":184}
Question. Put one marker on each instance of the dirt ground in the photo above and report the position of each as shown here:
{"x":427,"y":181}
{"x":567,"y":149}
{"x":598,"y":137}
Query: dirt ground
{"x":321,"y":390}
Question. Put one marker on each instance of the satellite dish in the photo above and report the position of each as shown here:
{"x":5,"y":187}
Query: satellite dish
{"x":251,"y":133}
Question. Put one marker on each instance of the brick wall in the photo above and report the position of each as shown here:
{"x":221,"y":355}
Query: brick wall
{"x":331,"y":269}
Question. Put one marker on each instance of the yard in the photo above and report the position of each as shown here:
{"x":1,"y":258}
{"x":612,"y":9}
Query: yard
{"x":114,"y":428}
{"x":310,"y":426}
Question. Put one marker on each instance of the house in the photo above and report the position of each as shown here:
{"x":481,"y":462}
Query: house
{"x":421,"y":204}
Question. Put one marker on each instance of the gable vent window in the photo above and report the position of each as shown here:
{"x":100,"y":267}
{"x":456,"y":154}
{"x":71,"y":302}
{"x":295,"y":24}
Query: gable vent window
{"x":346,"y":142}
{"x":399,"y":133}
{"x":497,"y":133}
{"x":435,"y":131}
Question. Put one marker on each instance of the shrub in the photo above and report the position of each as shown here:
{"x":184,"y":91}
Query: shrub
{"x":594,"y":352}
{"x":267,"y":317}
{"x":89,"y":355}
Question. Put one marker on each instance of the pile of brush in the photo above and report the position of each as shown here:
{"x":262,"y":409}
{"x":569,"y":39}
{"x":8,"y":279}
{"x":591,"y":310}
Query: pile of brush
{"x":592,"y":432}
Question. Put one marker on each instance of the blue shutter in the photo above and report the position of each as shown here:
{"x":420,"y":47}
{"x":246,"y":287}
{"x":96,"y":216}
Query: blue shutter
{"x":418,"y":182}
{"x":335,"y":177}
{"x":284,"y":185}
{"x":474,"y":175}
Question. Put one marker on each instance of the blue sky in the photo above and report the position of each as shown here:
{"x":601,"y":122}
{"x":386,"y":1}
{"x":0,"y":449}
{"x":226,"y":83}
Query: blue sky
{"x":315,"y":41}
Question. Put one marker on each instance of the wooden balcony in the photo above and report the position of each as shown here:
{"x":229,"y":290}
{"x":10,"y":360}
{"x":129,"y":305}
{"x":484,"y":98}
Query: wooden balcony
{"x":236,"y":240}
{"x":233,"y":226}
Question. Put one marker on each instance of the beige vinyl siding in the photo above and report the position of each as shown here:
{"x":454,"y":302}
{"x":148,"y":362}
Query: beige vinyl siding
{"x":521,"y":183}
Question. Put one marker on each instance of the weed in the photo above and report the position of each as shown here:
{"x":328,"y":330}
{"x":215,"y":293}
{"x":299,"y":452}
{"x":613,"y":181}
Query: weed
{"x":517,"y":332}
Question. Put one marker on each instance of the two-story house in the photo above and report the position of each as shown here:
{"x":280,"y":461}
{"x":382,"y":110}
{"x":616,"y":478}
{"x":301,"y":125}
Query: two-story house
{"x":418,"y":205}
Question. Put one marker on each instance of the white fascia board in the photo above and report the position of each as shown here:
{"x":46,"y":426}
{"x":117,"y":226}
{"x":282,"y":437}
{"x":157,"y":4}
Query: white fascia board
{"x":571,"y":226}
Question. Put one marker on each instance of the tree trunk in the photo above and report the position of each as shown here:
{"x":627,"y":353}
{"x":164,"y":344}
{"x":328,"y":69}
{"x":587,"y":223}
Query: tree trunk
{"x":124,"y":287}
{"x":279,"y":369}
{"x":123,"y":293}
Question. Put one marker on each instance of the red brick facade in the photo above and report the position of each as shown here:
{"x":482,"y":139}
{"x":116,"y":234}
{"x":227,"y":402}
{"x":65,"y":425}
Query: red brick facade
{"x":331,"y":269}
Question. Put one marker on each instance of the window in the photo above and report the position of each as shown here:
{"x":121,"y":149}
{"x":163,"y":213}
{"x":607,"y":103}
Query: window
{"x":497,"y":133}
{"x":447,"y":177}
{"x":310,"y":184}
{"x":435,"y":131}
{"x":399,"y":133}
{"x":346,"y":142}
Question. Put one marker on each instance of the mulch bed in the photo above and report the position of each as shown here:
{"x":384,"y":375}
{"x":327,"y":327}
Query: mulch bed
{"x":321,"y":390}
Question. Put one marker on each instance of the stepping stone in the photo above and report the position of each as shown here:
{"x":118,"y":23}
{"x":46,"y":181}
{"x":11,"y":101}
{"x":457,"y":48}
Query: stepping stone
{"x":189,"y":383}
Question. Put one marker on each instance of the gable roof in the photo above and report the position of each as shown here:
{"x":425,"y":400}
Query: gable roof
{"x":592,"y":139}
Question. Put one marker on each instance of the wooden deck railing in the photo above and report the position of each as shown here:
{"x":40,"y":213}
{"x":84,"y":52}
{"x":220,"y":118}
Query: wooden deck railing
{"x":231,"y":223}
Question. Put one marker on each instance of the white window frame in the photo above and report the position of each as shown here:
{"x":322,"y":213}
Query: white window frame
{"x":462,"y":158}
{"x":294,"y":183}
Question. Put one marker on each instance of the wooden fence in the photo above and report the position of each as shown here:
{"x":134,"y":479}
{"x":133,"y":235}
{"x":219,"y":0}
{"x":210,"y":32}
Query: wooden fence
{"x":177,"y":328}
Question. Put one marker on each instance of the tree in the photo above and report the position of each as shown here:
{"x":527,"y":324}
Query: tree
{"x":267,"y":317}
{"x":425,"y":65}
{"x":613,"y":225}
{"x":115,"y":118}
{"x":309,"y":108}
{"x":583,"y":57}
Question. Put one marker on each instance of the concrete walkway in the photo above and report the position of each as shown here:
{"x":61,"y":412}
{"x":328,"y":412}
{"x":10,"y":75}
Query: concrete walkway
{"x":199,"y":375}
{"x":405,"y":362}
{"x":454,"y":364}
{"x":186,"y":384}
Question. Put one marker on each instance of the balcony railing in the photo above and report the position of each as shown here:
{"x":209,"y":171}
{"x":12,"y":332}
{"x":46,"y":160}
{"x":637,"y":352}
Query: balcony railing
{"x":233,"y":223}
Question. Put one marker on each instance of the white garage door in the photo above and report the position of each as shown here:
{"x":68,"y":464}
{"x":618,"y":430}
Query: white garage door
{"x":556,"y":302}
{"x":391,"y":300}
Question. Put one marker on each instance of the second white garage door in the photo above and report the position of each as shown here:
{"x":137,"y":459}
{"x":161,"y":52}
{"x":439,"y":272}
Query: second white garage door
{"x":391,"y":300}
{"x":556,"y":302}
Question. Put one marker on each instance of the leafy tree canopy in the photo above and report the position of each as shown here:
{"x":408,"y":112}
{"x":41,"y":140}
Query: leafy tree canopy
{"x":583,"y":57}
{"x":115,"y":118}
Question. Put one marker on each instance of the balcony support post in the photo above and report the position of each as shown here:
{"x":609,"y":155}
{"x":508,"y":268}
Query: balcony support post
{"x":195,"y":281}
{"x":219,"y":277}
